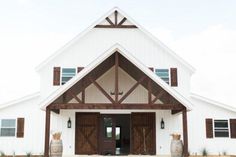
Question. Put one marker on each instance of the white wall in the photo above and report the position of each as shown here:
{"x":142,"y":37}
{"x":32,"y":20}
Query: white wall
{"x":197,"y":130}
{"x":96,"y":42}
{"x":33,"y":140}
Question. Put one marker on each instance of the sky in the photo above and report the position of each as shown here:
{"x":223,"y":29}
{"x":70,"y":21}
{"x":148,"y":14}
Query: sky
{"x":203,"y":32}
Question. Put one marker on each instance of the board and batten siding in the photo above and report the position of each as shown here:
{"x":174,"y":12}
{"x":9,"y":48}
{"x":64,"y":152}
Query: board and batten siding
{"x":29,"y":133}
{"x":200,"y":126}
{"x":133,"y":40}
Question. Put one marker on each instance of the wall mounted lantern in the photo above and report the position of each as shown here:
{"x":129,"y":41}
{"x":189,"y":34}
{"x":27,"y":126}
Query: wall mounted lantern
{"x":69,"y":123}
{"x":162,"y":124}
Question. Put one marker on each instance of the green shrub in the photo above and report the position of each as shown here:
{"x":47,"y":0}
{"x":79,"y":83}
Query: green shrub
{"x":28,"y":154}
{"x":224,"y":153}
{"x":2,"y":153}
{"x":204,"y":152}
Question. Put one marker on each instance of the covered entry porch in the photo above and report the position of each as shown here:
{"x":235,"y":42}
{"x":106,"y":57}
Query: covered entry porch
{"x":116,"y":84}
{"x":115,"y":134}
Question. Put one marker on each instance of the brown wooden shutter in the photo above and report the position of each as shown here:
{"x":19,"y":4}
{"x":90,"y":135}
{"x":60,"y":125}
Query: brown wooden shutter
{"x":20,"y":127}
{"x":56,"y":76}
{"x":174,"y":77}
{"x":209,"y":128}
{"x":79,"y":69}
{"x":233,"y":128}
{"x":152,"y":69}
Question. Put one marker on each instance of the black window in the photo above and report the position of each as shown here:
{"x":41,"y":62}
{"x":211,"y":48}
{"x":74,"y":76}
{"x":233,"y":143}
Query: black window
{"x":221,"y":128}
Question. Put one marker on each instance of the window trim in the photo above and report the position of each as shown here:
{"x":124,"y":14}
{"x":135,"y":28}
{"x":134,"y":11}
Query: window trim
{"x":8,"y":127}
{"x":169,"y":77}
{"x":62,"y":74}
{"x":228,"y":121}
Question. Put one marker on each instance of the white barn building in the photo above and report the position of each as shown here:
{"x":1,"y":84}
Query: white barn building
{"x":116,"y":84}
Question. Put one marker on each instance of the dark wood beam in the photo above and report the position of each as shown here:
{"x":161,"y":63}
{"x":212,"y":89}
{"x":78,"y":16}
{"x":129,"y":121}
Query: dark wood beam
{"x":122,"y":21}
{"x":83,"y":96}
{"x":131,"y":89}
{"x":102,"y":90}
{"x":116,"y":76}
{"x":175,"y":111}
{"x":75,"y":97}
{"x":116,"y":17}
{"x":47,"y":132}
{"x":158,"y":96}
{"x":149,"y":91}
{"x":116,"y":106}
{"x":108,"y":20}
{"x":57,"y":111}
{"x":117,"y":26}
{"x":185,"y":133}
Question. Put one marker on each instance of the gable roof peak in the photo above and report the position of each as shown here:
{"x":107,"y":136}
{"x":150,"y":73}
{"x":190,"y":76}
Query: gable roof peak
{"x":128,"y":23}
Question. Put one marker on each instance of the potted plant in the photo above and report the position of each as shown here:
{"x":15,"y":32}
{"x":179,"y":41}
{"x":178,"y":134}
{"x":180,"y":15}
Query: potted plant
{"x":56,"y":146}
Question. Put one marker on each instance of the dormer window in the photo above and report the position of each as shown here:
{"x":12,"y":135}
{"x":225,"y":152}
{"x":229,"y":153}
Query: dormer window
{"x":67,"y":74}
{"x":163,"y":74}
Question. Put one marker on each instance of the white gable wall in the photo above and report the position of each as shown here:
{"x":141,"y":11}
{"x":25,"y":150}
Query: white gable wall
{"x":98,"y":40}
{"x":197,"y":129}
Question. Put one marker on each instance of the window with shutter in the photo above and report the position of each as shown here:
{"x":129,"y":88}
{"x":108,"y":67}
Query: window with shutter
{"x":20,"y":127}
{"x":163,"y":74}
{"x":174,"y":77}
{"x":221,"y":128}
{"x":209,"y":128}
{"x":56,"y":76}
{"x":233,"y":128}
{"x":67,"y":74}
{"x":7,"y":127}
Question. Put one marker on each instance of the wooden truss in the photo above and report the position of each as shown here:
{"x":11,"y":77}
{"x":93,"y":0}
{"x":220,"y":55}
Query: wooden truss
{"x":115,"y":23}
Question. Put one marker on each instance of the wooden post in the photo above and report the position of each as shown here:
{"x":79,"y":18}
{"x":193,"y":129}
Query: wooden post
{"x":83,"y":92}
{"x":116,"y":76}
{"x":149,"y":92}
{"x":47,"y":132}
{"x":185,"y":133}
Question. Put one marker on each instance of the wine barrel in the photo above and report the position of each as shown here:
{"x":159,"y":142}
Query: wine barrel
{"x":176,"y":148}
{"x":56,"y":148}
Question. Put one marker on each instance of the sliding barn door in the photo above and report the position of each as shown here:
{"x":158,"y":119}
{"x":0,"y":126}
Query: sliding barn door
{"x":86,"y":133}
{"x":143,"y":133}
